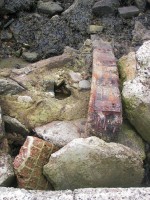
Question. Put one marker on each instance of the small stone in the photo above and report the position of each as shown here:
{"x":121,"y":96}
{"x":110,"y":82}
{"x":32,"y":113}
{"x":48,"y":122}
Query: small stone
{"x":141,"y":4}
{"x":28,"y":165}
{"x":6,"y":35}
{"x":50,"y":7}
{"x":105,"y":7}
{"x":93,"y":29}
{"x":24,"y":99}
{"x":7,"y":175}
{"x":84,"y":85}
{"x":30,"y":56}
{"x":1,"y":3}
{"x":128,"y":12}
{"x":75,"y":76}
{"x":1,"y":124}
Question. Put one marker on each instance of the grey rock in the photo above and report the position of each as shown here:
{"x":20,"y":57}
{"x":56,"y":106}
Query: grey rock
{"x":6,"y":35}
{"x":141,"y":4}
{"x":105,"y":7}
{"x":8,"y":86}
{"x":140,"y":34}
{"x":84,"y":85}
{"x":1,"y":3}
{"x":61,"y":133}
{"x":129,"y":137}
{"x":50,"y":7}
{"x":91,"y":162}
{"x":136,"y":94}
{"x":128,"y":12}
{"x":6,"y":170}
{"x":48,"y":37}
{"x":13,"y":125}
{"x":30,"y":56}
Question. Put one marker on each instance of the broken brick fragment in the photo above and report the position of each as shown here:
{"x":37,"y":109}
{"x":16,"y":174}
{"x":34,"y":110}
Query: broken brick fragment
{"x":28,"y":165}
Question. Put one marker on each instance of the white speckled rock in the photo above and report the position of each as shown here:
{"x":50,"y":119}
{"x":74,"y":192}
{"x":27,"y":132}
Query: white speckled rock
{"x":136,"y":94}
{"x":91,"y":162}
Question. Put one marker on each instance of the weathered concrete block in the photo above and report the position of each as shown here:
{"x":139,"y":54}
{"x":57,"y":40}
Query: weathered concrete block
{"x":128,"y":12}
{"x":28,"y":165}
{"x":105,"y":109}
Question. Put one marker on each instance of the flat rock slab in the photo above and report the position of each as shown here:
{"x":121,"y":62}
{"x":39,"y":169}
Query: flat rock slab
{"x":127,"y":12}
{"x":81,"y":194}
{"x":61,"y":133}
{"x":33,"y":155}
{"x":105,"y":109}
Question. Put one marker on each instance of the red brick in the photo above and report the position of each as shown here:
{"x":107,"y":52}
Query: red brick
{"x":105,"y":109}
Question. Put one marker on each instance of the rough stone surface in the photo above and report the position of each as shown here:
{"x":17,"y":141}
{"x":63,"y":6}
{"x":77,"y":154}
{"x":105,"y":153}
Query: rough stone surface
{"x":6,"y":170}
{"x":48,"y":37}
{"x":129,"y":137}
{"x":61,"y":133}
{"x":50,"y":7}
{"x":127,"y":67}
{"x":93,"y":29}
{"x":33,"y":155}
{"x":140,"y":34}
{"x":36,"y":106}
{"x":8,"y":86}
{"x":128,"y":12}
{"x":81,"y":194}
{"x":13,"y":125}
{"x":141,"y":4}
{"x":91,"y":162}
{"x":84,"y":85}
{"x":105,"y":109}
{"x":75,"y":76}
{"x":105,"y":7}
{"x":136,"y":94}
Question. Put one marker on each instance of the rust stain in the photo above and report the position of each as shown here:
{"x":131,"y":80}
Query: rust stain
{"x":105,"y":109}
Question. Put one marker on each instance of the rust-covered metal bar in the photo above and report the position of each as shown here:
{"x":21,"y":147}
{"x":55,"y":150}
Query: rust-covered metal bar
{"x":105,"y":109}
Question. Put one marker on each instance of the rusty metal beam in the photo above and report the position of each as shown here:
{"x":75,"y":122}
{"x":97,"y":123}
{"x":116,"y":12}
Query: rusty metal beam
{"x":105,"y":109}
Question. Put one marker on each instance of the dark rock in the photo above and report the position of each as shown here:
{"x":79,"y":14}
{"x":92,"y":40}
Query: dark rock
{"x":1,"y":125}
{"x":105,"y":7}
{"x":141,"y":4}
{"x":1,"y":3}
{"x":128,"y":12}
{"x":12,"y":6}
{"x":50,"y":36}
{"x":6,"y":35}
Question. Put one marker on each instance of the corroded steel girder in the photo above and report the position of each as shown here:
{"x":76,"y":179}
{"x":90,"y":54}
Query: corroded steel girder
{"x":105,"y":109}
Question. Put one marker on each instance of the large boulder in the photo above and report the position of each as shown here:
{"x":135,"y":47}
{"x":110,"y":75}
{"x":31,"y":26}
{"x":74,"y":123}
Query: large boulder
{"x":91,"y":162}
{"x":33,"y":155}
{"x":136,"y":94}
{"x":7,"y":175}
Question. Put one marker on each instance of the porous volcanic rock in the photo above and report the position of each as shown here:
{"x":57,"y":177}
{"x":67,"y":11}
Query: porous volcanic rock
{"x":33,"y":155}
{"x":91,"y":162}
